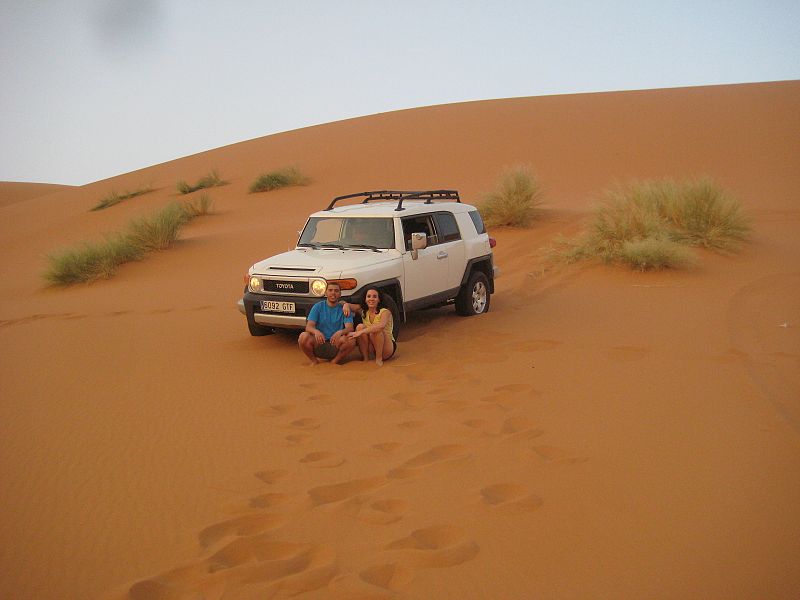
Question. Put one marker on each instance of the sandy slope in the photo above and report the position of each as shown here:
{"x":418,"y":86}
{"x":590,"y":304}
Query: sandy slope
{"x":599,"y":434}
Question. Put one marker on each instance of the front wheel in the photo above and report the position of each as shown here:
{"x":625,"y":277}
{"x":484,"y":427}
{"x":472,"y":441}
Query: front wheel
{"x":474,"y":297}
{"x":256,"y":329}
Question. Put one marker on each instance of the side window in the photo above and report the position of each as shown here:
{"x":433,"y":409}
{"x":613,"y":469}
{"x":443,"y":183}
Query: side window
{"x":447,"y":227}
{"x":476,"y":219}
{"x":418,"y":224}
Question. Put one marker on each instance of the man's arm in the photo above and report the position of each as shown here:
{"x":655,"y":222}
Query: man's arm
{"x":311,"y":327}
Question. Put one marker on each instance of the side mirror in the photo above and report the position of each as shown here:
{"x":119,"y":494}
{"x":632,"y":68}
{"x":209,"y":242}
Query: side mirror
{"x":419,"y":241}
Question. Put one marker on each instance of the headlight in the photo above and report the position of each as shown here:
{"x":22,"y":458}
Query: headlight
{"x":254,"y":285}
{"x":318,"y":287}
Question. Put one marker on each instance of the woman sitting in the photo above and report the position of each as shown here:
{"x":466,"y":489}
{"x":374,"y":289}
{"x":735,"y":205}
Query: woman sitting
{"x":374,"y":334}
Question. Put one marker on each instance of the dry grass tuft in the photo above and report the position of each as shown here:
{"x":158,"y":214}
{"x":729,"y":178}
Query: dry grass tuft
{"x":515,"y":201}
{"x":280,"y":178}
{"x":211,"y":180}
{"x":649,"y":224}
{"x":99,"y":260}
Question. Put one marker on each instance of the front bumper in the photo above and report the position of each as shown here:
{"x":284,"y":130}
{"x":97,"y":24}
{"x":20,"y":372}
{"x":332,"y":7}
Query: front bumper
{"x":250,"y":304}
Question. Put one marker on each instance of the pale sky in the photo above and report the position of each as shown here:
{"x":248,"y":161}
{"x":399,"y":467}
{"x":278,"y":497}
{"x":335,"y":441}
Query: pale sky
{"x":90,"y":89}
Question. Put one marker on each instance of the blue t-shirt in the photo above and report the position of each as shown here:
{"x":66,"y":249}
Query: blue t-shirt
{"x":329,"y":319}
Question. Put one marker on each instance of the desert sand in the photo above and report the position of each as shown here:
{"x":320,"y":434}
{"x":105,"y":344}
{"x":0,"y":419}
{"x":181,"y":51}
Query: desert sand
{"x":600,"y":433}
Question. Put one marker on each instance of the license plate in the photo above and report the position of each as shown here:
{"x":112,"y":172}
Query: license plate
{"x":274,"y":306}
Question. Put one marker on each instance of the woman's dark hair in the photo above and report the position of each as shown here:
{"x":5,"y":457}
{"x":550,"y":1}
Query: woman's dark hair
{"x":363,"y":302}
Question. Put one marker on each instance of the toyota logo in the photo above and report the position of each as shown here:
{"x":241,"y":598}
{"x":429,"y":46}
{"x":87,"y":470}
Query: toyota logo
{"x":284,"y":286}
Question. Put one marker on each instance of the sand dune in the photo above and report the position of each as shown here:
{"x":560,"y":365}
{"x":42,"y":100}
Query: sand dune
{"x":600,"y":433}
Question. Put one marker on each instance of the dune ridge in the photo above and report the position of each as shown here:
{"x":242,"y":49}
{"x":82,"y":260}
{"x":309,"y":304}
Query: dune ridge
{"x":600,"y":433}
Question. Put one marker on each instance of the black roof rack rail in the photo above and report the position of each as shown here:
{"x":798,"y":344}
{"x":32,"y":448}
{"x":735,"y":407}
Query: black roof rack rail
{"x":428,"y":196}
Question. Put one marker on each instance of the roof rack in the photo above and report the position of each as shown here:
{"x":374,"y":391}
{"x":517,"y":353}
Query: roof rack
{"x":429,"y":196}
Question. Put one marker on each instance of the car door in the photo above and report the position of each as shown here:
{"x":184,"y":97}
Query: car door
{"x":427,"y":274}
{"x":450,"y":243}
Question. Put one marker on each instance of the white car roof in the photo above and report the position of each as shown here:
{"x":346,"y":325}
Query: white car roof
{"x":387,"y":209}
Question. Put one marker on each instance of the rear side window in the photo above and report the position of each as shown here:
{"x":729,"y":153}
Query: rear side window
{"x":447,"y":227}
{"x":476,"y":219}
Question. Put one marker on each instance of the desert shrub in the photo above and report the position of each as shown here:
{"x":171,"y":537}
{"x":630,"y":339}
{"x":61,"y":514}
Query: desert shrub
{"x":280,"y":178}
{"x":647,"y":224}
{"x":159,"y":230}
{"x":703,"y":214}
{"x":88,"y":261}
{"x":655,"y":253}
{"x":515,"y":200}
{"x":211,"y":180}
{"x":114,"y":198}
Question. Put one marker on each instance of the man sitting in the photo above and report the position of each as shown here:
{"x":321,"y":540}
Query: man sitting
{"x":326,"y":323}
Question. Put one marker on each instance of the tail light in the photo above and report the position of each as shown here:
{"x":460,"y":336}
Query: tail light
{"x":492,"y":242}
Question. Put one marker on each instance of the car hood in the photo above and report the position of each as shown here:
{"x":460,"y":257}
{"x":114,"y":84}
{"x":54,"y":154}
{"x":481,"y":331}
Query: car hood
{"x":330,"y":263}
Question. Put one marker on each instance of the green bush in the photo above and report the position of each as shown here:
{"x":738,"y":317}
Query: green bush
{"x":515,"y":200}
{"x":95,"y":260}
{"x":280,"y":178}
{"x":211,"y":180}
{"x":114,"y":198}
{"x":647,"y":224}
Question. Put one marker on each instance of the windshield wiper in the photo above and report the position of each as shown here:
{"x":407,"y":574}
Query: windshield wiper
{"x":309,"y":245}
{"x":365,"y":246}
{"x":339,"y":246}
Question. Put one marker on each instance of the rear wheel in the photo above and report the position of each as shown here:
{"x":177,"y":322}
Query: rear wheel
{"x":388,"y":302}
{"x":474,"y":297}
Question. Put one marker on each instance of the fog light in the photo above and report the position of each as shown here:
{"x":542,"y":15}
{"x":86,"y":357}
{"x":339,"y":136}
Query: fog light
{"x":318,"y":287}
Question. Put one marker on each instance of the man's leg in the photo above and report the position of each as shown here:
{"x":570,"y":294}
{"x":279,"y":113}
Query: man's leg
{"x":345,"y":346}
{"x":307,"y":342}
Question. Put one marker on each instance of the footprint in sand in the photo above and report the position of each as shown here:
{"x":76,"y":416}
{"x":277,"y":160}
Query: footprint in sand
{"x":306,"y":424}
{"x":260,"y":559}
{"x":409,"y":400}
{"x":513,"y":388}
{"x":325,"y":494}
{"x":551,"y":454}
{"x":240,"y":526}
{"x":276,"y":410}
{"x":411,"y":424}
{"x":297,"y":438}
{"x":452,"y":405}
{"x":268,"y":500}
{"x":481,"y":424}
{"x":503,"y":400}
{"x":511,"y":497}
{"x":436,"y":547}
{"x":383,"y":512}
{"x":520,"y":427}
{"x":323,"y":399}
{"x":389,"y":576}
{"x":436,"y":455}
{"x":323,"y":460}
{"x":271,"y":476}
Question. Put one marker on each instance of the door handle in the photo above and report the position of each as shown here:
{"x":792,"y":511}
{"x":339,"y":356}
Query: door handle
{"x":442,"y":254}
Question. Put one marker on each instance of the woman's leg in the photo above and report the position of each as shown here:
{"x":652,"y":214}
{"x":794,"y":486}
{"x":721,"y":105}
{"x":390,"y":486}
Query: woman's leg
{"x":363,"y":343}
{"x":378,"y":340}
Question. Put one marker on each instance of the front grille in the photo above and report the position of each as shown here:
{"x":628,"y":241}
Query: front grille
{"x":290,"y":286}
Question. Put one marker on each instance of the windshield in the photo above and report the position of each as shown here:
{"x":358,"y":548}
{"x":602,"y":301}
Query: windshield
{"x":372,"y":233}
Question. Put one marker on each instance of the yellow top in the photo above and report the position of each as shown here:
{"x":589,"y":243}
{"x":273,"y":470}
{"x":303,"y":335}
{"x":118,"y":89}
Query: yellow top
{"x":369,"y":320}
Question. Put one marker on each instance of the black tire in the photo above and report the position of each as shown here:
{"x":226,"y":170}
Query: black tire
{"x":474,"y":297}
{"x":256,"y":329}
{"x":388,"y":302}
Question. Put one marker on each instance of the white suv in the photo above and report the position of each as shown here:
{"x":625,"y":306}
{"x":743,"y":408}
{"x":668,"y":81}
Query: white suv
{"x":419,"y":249}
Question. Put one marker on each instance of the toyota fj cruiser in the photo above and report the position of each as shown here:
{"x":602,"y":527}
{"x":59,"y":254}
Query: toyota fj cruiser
{"x":418,"y":248}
